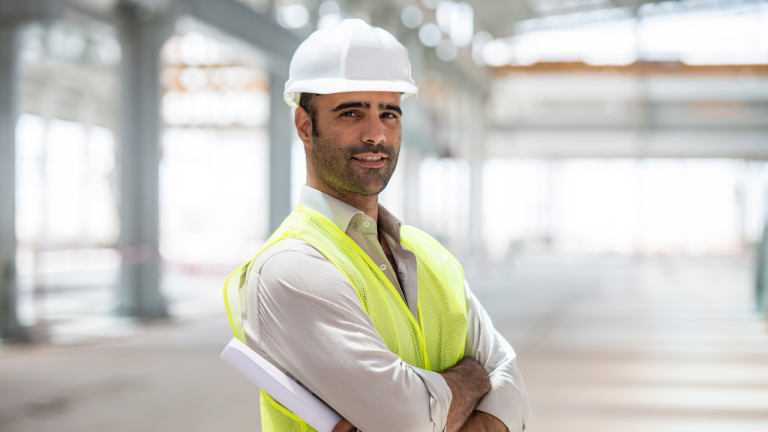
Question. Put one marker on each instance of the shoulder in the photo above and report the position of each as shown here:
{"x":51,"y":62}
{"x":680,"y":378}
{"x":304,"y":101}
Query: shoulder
{"x":291,"y":289}
{"x":293,"y":266}
{"x":282,"y":252}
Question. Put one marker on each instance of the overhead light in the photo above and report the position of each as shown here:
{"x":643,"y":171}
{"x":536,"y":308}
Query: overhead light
{"x":329,"y":8}
{"x":328,"y":21}
{"x":444,"y":15}
{"x":462,"y":24}
{"x":411,"y":16}
{"x":429,"y":34}
{"x":478,"y":43}
{"x":330,"y":15}
{"x":293,"y":16}
{"x":456,"y":20}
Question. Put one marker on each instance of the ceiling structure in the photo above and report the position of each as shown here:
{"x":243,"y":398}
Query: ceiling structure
{"x":493,"y":16}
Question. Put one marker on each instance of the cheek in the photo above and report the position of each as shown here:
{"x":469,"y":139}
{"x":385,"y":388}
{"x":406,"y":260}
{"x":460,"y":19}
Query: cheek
{"x":394,"y":133}
{"x":345,"y":136}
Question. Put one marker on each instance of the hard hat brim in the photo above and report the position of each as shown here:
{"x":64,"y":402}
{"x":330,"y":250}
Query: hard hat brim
{"x":336,"y":85}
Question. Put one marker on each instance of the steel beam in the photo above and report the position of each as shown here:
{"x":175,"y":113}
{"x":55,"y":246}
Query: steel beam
{"x":237,"y":19}
{"x":280,"y":140}
{"x":139,"y":161}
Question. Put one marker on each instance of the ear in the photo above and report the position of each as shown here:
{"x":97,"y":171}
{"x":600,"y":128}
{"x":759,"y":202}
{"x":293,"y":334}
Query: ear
{"x":303,"y":125}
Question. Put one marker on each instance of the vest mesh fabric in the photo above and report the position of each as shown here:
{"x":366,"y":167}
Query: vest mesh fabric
{"x":275,"y":417}
{"x":442,"y":311}
{"x":436,"y":344}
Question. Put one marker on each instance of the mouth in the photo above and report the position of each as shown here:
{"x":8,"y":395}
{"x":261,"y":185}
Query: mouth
{"x":371,"y":160}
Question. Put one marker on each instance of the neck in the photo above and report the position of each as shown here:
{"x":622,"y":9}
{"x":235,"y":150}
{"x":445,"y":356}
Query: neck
{"x":368,"y":204}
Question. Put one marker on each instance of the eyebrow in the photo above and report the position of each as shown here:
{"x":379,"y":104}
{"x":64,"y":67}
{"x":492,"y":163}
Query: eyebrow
{"x":347,"y":105}
{"x":391,"y":107}
{"x":367,"y":105}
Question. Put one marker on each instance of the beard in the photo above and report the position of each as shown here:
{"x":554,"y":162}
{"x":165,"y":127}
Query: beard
{"x":334,"y":165}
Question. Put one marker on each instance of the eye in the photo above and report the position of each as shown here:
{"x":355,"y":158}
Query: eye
{"x":348,"y":114}
{"x":389,"y":115}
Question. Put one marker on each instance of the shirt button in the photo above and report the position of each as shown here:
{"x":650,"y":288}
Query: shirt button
{"x":367,"y":224}
{"x":383,"y":267}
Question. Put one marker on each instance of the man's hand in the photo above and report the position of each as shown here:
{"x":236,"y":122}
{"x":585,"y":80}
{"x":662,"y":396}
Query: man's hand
{"x":483,"y":422}
{"x":343,"y":426}
{"x":468,"y":383}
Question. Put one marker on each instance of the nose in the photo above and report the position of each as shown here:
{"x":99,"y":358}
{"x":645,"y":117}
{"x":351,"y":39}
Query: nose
{"x":374,"y":131}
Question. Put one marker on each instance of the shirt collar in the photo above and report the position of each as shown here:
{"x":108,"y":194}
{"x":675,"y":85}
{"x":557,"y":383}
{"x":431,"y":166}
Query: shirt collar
{"x":389,"y":224}
{"x":341,"y":213}
{"x":335,"y":210}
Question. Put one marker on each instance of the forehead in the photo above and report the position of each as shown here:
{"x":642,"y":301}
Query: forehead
{"x":373,"y":98}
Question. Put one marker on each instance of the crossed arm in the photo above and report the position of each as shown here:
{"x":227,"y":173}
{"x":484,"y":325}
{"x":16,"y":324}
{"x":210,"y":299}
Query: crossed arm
{"x":468,"y":383}
{"x":318,"y":332}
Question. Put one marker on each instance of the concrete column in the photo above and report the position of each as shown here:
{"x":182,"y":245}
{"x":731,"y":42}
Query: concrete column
{"x":139,"y":160}
{"x":10,"y":330}
{"x":760,"y":271}
{"x":477,"y":155}
{"x":280,"y":139}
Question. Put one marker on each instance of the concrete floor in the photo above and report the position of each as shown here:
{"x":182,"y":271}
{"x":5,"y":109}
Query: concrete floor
{"x":604,"y":343}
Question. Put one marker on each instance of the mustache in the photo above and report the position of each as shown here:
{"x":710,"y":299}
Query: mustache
{"x":372,"y":148}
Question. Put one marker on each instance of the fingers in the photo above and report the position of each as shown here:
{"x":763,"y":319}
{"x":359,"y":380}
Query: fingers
{"x":343,"y":426}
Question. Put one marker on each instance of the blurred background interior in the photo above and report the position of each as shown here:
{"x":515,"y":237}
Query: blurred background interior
{"x":599,"y":167}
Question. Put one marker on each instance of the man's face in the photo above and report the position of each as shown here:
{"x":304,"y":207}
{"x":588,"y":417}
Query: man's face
{"x":357,"y":140}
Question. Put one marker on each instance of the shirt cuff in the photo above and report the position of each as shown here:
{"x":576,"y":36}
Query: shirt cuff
{"x":505,"y":402}
{"x":439,"y":397}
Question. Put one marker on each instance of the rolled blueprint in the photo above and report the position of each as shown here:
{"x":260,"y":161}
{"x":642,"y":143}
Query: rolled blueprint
{"x":281,"y":388}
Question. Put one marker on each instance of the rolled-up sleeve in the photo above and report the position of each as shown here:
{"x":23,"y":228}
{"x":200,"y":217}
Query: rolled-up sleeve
{"x":507,"y":399}
{"x":306,"y":317}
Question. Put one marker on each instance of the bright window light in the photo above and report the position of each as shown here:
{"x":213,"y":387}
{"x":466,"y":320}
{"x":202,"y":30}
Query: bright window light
{"x":65,"y":188}
{"x":706,"y":37}
{"x":496,"y":53}
{"x":609,"y":43}
{"x":196,"y":49}
{"x":669,"y":31}
{"x":67,"y":42}
{"x":687,"y":206}
{"x":202,"y":172}
{"x":444,"y":196}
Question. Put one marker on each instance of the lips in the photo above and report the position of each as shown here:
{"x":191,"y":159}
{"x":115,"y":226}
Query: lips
{"x":370,"y":160}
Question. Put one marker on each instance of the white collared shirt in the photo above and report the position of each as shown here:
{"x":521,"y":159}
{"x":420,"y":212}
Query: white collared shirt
{"x":303,"y":315}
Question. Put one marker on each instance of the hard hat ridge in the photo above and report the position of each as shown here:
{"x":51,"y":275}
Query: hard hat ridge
{"x":350,"y":56}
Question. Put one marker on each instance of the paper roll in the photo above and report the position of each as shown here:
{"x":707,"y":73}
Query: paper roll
{"x":281,"y":388}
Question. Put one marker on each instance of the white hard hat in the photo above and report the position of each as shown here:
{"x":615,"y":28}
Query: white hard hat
{"x":350,"y":56}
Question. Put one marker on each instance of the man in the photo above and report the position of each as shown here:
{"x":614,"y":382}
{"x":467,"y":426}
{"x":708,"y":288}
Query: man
{"x":373,"y":317}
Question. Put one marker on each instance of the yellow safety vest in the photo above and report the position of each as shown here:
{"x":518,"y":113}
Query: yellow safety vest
{"x":435,"y":343}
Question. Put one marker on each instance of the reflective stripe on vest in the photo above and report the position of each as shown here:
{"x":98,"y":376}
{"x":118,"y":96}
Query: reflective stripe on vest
{"x":435,"y":343}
